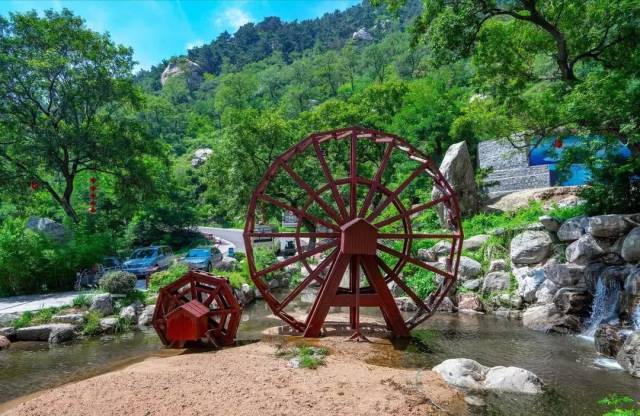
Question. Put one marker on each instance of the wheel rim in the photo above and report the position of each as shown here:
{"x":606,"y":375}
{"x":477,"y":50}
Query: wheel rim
{"x":357,"y":217}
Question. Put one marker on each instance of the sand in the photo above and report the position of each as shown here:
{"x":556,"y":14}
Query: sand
{"x":252,"y":380}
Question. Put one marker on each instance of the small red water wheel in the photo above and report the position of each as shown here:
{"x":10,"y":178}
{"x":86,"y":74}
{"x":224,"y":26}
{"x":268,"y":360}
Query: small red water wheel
{"x":360,"y":197}
{"x":198,"y":308}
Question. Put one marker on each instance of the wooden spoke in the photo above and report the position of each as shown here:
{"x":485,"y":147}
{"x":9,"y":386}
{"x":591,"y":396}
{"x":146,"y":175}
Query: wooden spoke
{"x":403,"y":236}
{"x":293,"y":234}
{"x":414,"y":261}
{"x":332,"y":184}
{"x":411,"y":211}
{"x":298,"y":257}
{"x":394,"y":277}
{"x":353,"y":176}
{"x":312,"y":193}
{"x":298,"y":212}
{"x":376,"y":180}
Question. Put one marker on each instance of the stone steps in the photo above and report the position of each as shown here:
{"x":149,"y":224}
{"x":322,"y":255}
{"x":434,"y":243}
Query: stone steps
{"x":510,"y":180}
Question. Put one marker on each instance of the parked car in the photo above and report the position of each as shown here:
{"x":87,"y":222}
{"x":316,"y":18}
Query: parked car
{"x":147,"y":260}
{"x":203,"y":258}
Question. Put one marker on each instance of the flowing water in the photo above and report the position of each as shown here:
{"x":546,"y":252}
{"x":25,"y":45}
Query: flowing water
{"x":635,"y":318}
{"x":576,"y":377}
{"x":605,"y":307}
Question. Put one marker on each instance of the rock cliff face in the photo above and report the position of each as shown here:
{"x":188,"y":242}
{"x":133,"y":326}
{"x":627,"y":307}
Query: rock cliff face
{"x":184,"y":67}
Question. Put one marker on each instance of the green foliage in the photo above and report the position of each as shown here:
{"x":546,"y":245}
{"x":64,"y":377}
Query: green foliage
{"x":119,"y":282}
{"x":92,"y":324}
{"x":423,"y":282}
{"x":159,"y":280}
{"x":618,"y":405}
{"x":23,"y":320}
{"x":123,"y":324}
{"x":83,"y":300}
{"x":308,"y":356}
{"x":486,"y":222}
{"x":40,"y":317}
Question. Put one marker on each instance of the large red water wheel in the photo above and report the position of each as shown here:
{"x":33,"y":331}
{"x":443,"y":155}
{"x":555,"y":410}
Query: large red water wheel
{"x":197,"y":308}
{"x":360,"y":197}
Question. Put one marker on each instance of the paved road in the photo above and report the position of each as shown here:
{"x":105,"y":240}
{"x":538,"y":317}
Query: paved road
{"x":17,"y":304}
{"x":233,"y":235}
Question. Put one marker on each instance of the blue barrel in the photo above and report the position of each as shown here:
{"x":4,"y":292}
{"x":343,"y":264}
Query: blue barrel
{"x":232,"y":252}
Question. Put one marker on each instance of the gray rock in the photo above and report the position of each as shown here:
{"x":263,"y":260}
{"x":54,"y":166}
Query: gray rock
{"x":497,"y":266}
{"x":395,"y":290}
{"x":182,"y":67}
{"x":512,"y":380}
{"x":467,"y":301}
{"x":274,"y":284}
{"x":475,"y":243}
{"x":406,"y":304}
{"x":546,"y":291}
{"x":585,"y":249}
{"x":257,"y":293}
{"x":572,"y":229}
{"x":75,"y":319}
{"x":48,"y":227}
{"x":248,"y":293}
{"x":362,"y":34}
{"x":607,"y":226}
{"x":572,"y":301}
{"x":563,"y":275}
{"x":108,"y":325}
{"x":463,"y":373}
{"x":200,"y":156}
{"x":547,"y":318}
{"x":529,"y":280}
{"x":129,"y":312}
{"x":54,"y":333}
{"x":458,"y":170}
{"x":9,"y":332}
{"x":228,"y":264}
{"x":530,"y":247}
{"x":496,"y":282}
{"x":4,"y":342}
{"x":102,"y":303}
{"x":608,"y":340}
{"x":447,"y":305}
{"x":629,"y":355}
{"x":468,"y":268}
{"x":442,"y":248}
{"x":550,"y":223}
{"x":473,"y":284}
{"x":426,"y":254}
{"x":631,"y":246}
{"x":146,"y":316}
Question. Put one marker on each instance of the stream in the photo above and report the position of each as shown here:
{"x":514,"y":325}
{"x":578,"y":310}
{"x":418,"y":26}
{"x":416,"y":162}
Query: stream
{"x":576,"y":377}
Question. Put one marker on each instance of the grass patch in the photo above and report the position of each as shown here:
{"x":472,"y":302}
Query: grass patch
{"x":159,"y":280}
{"x":40,"y":317}
{"x":123,"y":325}
{"x":92,"y":324}
{"x":83,"y":300}
{"x":307,"y":356}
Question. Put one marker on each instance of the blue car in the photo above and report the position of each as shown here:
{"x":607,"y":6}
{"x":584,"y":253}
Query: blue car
{"x":147,"y":260}
{"x":203,"y":258}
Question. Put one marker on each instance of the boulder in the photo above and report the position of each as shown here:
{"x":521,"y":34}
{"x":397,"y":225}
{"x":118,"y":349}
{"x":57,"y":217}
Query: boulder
{"x":228,"y":264}
{"x":471,"y":302}
{"x":406,"y":304}
{"x":53,"y":333}
{"x":102,"y":303}
{"x":395,"y":290}
{"x":442,"y":248}
{"x":257,"y":293}
{"x":629,"y":354}
{"x":585,"y":249}
{"x":362,"y":34}
{"x":512,"y":380}
{"x":608,"y":340}
{"x":274,"y":284}
{"x":473,"y":284}
{"x":248,"y":293}
{"x":463,"y":373}
{"x":75,"y":319}
{"x":572,"y":301}
{"x":550,"y":224}
{"x":458,"y":170}
{"x":447,"y":305}
{"x":545,"y":292}
{"x":475,"y":243}
{"x":497,"y":265}
{"x":607,"y":226}
{"x":496,"y":282}
{"x":129,"y":312}
{"x":108,"y":325}
{"x":182,"y":67}
{"x":426,"y":254}
{"x":631,"y":246}
{"x":563,"y":275}
{"x":48,"y":227}
{"x":146,"y":316}
{"x":572,"y":229}
{"x":547,"y":318}
{"x":530,"y":247}
{"x":200,"y":156}
{"x":529,"y":280}
{"x":468,"y":268}
{"x":4,"y":342}
{"x":9,"y":332}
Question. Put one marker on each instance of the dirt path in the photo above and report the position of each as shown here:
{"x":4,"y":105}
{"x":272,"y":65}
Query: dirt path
{"x":252,"y":380}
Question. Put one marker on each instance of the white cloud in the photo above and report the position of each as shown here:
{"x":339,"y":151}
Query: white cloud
{"x":194,"y":43}
{"x":231,"y":18}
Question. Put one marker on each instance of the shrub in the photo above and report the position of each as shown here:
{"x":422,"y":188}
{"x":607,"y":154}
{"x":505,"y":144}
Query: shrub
{"x":118,"y":282}
{"x":82,"y":301}
{"x":40,"y":317}
{"x":159,"y":280}
{"x":92,"y":323}
{"x":420,"y":280}
{"x":23,"y":321}
{"x":620,"y":405}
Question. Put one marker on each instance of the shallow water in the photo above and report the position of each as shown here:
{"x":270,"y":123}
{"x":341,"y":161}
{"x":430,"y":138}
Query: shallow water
{"x":576,"y":377}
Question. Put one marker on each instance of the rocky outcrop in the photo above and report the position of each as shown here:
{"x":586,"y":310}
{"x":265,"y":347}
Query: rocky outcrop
{"x":530,"y":247}
{"x":53,"y":333}
{"x":4,"y":342}
{"x":468,"y":269}
{"x":146,"y":315}
{"x":630,"y":250}
{"x":496,"y":282}
{"x":48,"y":227}
{"x":108,"y":325}
{"x":547,"y":318}
{"x":529,"y":280}
{"x":472,"y":376}
{"x":183,"y":67}
{"x":102,"y":303}
{"x":406,"y":304}
{"x":585,"y":249}
{"x":629,"y":354}
{"x":362,"y":34}
{"x":608,"y":340}
{"x":607,"y":226}
{"x":200,"y":156}
{"x":572,"y":229}
{"x":470,"y":302}
{"x":129,"y":313}
{"x":572,"y":301}
{"x":475,"y":243}
{"x":473,"y":284}
{"x":75,"y":319}
{"x":550,"y":224}
{"x":457,"y":169}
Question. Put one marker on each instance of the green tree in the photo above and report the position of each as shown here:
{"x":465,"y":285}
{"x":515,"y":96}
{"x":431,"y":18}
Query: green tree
{"x":65,"y":94}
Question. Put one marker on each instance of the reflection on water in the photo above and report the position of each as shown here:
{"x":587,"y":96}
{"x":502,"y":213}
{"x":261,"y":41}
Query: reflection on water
{"x":575,"y":375}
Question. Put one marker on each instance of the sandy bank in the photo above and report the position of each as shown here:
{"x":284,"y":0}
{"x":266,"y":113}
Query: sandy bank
{"x":252,"y":380}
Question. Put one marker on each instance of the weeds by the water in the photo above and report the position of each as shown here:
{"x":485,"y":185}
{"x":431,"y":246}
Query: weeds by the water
{"x":92,"y":324}
{"x":83,"y":300}
{"x":304,"y":356}
{"x":618,"y":405}
{"x":40,"y":317}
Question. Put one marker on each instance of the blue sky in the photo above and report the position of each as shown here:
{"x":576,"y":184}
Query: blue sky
{"x":158,"y":29}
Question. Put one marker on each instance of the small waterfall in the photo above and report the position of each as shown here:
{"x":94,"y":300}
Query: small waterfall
{"x":605,"y":307}
{"x":635,"y":318}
